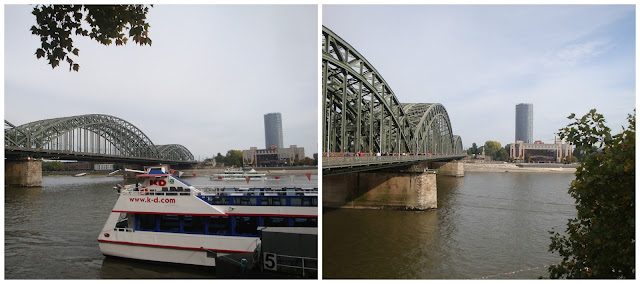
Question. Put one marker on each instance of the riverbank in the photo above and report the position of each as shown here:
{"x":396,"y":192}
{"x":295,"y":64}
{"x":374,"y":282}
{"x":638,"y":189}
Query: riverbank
{"x":508,"y":167}
{"x":201,"y":172}
{"x":72,"y":173}
{"x":269,"y":172}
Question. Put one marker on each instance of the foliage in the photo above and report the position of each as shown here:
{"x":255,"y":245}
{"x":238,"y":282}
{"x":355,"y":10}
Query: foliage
{"x":600,"y":241}
{"x":306,"y":161}
{"x":580,"y":153}
{"x":491,"y":148}
{"x":233,"y":158}
{"x":571,"y":159}
{"x":52,"y":166}
{"x":495,"y":150}
{"x":473,"y":150}
{"x":55,"y":24}
{"x":503,"y":153}
{"x":219,"y":158}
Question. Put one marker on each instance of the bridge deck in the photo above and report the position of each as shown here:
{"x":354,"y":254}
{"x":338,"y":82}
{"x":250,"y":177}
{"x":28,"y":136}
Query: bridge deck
{"x":84,"y":156}
{"x":340,"y":165}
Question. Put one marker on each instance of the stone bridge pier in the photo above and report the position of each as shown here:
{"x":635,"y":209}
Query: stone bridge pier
{"x":408,"y":188}
{"x":23,"y":172}
{"x":452,"y":168}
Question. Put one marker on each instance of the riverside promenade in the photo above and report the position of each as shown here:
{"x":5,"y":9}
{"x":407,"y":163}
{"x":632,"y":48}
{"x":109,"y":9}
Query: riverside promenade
{"x":498,"y":167}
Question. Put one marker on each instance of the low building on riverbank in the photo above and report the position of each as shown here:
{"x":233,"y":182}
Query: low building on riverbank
{"x":272,"y":157}
{"x":540,"y":152}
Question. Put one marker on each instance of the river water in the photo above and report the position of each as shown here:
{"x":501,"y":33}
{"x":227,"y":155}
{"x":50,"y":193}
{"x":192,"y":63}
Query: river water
{"x":51,"y":231}
{"x":491,"y":225}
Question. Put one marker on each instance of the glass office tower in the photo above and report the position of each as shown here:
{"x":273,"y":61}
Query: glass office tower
{"x":524,"y":123}
{"x":273,"y":130}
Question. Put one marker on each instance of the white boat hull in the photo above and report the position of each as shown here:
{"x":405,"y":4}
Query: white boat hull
{"x":164,"y":219}
{"x":168,"y":255}
{"x":173,"y":247}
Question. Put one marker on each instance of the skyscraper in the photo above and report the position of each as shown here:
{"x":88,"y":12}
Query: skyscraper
{"x":273,"y":130}
{"x":524,"y":123}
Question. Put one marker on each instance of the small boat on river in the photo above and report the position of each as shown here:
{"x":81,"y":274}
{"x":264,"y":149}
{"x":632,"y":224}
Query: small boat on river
{"x":165,"y":219}
{"x":80,"y":175}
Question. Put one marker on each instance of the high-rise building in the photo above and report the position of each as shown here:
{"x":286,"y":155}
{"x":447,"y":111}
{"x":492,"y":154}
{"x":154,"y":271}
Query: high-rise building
{"x":273,"y":130}
{"x":524,"y":123}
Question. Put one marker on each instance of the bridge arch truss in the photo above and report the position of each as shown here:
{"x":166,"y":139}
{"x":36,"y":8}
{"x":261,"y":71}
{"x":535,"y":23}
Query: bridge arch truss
{"x":91,"y":133}
{"x":362,"y":114}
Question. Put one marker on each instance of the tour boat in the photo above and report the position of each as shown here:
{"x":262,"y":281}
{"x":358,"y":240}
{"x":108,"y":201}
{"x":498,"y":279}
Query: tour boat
{"x":165,"y":219}
{"x":232,"y":174}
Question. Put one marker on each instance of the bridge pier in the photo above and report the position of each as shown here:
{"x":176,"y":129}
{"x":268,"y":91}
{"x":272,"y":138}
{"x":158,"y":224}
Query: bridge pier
{"x":408,"y":189}
{"x":27,"y":172}
{"x":452,"y":168}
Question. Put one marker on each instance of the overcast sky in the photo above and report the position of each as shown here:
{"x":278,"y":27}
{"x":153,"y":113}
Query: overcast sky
{"x":206,"y":82}
{"x":479,"y":61}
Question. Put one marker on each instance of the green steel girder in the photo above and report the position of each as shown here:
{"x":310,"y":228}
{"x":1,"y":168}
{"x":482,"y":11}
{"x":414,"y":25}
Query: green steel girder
{"x":362,"y":114}
{"x":361,"y":111}
{"x":431,"y":126}
{"x":175,"y":152}
{"x":91,"y":133}
{"x":457,"y":145}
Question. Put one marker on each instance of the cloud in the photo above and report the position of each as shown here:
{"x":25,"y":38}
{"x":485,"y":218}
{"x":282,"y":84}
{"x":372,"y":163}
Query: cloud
{"x":581,"y":52}
{"x":210,"y":75}
{"x":479,"y":61}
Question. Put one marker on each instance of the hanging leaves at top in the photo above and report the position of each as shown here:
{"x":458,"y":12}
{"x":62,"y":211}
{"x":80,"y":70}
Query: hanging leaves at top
{"x":55,"y":24}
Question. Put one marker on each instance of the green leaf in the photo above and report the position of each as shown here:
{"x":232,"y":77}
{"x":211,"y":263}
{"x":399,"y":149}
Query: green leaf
{"x":40,"y":53}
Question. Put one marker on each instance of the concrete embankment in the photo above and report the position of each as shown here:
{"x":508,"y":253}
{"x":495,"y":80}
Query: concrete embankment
{"x":510,"y":167}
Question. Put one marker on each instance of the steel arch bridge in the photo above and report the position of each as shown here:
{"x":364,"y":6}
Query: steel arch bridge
{"x":362,"y":114}
{"x":92,"y":134}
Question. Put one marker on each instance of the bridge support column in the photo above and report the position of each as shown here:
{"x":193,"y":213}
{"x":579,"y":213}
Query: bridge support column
{"x":23,"y":172}
{"x":408,"y":190}
{"x":453,"y":168}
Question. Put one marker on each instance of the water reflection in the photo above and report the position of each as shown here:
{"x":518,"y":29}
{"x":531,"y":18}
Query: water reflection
{"x":120,"y":268}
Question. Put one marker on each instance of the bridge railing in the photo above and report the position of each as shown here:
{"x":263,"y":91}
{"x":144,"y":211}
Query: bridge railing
{"x":340,"y":159}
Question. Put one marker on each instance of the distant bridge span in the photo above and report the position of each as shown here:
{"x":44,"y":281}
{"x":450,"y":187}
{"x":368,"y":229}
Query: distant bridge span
{"x":91,"y":137}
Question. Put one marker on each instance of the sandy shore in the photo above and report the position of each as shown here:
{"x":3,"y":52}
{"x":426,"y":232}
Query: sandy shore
{"x":502,"y":167}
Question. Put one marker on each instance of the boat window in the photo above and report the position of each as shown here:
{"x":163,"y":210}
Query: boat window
{"x":245,"y":200}
{"x":122,"y":221}
{"x":246,"y":225}
{"x":193,"y":224}
{"x":146,"y":222}
{"x":273,"y":201}
{"x":275,"y":222}
{"x":296,"y":201}
{"x":305,"y":222}
{"x":219,"y":225}
{"x":169,"y":223}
